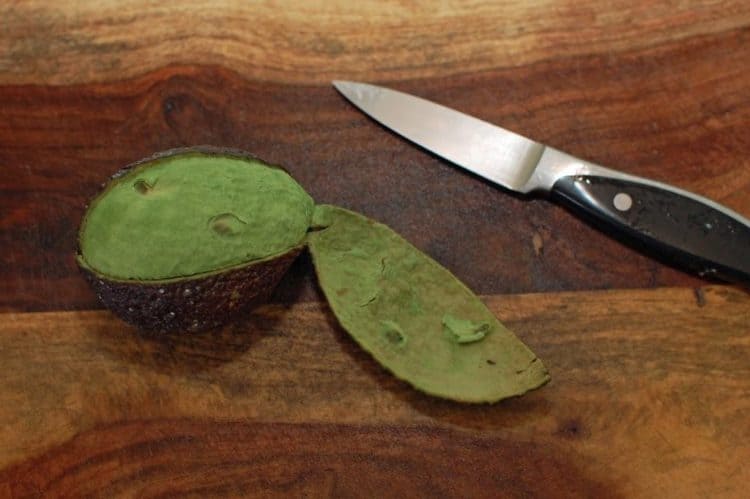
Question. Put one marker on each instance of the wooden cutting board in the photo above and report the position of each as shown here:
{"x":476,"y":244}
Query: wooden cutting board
{"x":650,"y":391}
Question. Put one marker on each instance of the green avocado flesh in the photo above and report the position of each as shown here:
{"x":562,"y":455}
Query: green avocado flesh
{"x":192,"y":213}
{"x":414,"y":316}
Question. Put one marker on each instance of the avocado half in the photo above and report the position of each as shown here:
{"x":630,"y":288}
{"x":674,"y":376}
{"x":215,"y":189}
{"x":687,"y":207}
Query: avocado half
{"x":188,"y":239}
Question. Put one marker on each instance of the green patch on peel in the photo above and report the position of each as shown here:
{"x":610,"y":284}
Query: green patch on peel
{"x":464,"y":330}
{"x":410,"y":313}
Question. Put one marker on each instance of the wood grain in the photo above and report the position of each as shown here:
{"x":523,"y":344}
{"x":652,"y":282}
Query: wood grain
{"x":650,"y":368}
{"x":315,"y":42}
{"x":650,"y":396}
{"x":178,"y":458}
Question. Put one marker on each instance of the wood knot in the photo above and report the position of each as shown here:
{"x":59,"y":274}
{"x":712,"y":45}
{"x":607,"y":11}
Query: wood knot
{"x":170,"y":104}
{"x":572,"y":429}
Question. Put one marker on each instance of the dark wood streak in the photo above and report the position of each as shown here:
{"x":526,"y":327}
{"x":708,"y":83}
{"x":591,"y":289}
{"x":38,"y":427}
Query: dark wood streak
{"x":179,"y":458}
{"x":675,"y":112}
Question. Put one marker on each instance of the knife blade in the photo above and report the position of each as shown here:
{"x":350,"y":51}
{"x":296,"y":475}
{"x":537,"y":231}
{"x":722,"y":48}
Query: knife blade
{"x":680,"y":227}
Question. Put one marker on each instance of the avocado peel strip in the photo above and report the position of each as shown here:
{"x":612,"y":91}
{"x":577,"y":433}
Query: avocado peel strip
{"x":190,"y":239}
{"x":413,"y":316}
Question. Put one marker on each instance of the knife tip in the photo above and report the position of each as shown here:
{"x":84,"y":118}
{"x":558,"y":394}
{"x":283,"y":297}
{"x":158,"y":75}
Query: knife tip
{"x":341,"y":84}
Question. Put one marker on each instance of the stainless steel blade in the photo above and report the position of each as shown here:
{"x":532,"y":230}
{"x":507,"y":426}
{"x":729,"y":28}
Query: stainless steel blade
{"x":488,"y":150}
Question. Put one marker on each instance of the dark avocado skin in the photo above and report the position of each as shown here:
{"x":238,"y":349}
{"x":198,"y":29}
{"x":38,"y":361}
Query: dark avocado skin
{"x":191,"y":304}
{"x":196,"y":303}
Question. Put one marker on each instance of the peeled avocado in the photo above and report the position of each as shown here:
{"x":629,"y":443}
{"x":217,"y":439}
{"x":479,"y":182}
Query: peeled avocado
{"x":188,"y":239}
{"x":417,"y":319}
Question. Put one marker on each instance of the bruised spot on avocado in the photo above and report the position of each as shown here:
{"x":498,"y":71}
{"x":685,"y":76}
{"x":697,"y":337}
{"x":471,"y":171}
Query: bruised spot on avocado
{"x":393,"y":333}
{"x":226,"y":224}
{"x":142,"y":187}
{"x":463,"y":330}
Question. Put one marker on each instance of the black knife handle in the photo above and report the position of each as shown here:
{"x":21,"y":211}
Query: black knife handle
{"x":685,"y":229}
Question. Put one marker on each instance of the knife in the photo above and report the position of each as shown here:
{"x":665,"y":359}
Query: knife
{"x":683,"y":228}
